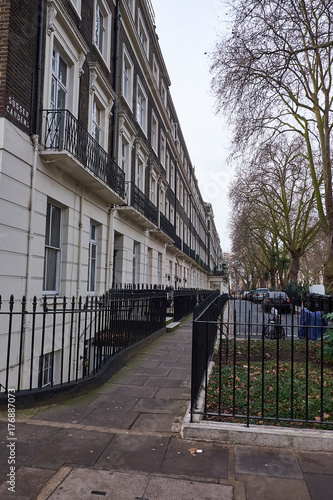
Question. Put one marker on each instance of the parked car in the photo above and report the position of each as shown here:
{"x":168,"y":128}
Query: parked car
{"x":279,"y":300}
{"x":245,"y":295}
{"x":259,"y":294}
{"x":251,"y":293}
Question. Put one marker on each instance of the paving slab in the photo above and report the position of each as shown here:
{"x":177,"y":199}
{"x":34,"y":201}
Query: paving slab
{"x":271,"y":488}
{"x":173,"y":393}
{"x":161,"y":488}
{"x":147,"y":422}
{"x":161,"y":372}
{"x":181,"y":373}
{"x":274,"y":462}
{"x":28,"y":482}
{"x":114,"y":401}
{"x":63,"y":413}
{"x":131,"y":380}
{"x":182,"y":458}
{"x":320,"y":486}
{"x":111,"y":417}
{"x":87,"y":484}
{"x":315,"y":463}
{"x":71,"y":446}
{"x":157,"y":405}
{"x":134,"y":452}
{"x":163,"y":382}
{"x":140,"y":391}
{"x":29,"y":438}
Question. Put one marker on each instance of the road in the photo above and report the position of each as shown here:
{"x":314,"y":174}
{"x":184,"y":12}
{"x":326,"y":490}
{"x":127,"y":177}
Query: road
{"x":250,"y":318}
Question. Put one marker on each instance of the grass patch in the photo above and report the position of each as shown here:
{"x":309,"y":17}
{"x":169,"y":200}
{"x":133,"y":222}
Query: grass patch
{"x":279,"y":388}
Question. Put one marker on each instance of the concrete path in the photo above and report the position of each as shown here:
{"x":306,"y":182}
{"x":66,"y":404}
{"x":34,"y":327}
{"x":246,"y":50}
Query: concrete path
{"x":122,"y":442}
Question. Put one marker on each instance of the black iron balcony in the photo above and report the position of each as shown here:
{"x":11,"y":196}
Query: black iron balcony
{"x":140,"y":202}
{"x":186,"y":249}
{"x":178,"y":242}
{"x":167,"y":226}
{"x":64,"y":133}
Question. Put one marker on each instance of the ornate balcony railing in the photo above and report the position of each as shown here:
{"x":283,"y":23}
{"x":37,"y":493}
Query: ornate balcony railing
{"x":64,"y":133}
{"x":140,"y":201}
{"x":167,"y":226}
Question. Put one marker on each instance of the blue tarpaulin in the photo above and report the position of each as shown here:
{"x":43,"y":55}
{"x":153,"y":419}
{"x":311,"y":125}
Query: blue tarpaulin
{"x":312,"y":324}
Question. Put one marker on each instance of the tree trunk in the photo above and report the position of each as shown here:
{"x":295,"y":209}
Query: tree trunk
{"x":295,"y":264}
{"x":328,"y":268}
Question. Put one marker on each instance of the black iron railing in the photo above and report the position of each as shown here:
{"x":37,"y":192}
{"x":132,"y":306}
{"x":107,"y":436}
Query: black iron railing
{"x":57,"y":340}
{"x":167,"y":226}
{"x":178,"y":242}
{"x":273,"y":367}
{"x":142,"y":203}
{"x":63,"y":132}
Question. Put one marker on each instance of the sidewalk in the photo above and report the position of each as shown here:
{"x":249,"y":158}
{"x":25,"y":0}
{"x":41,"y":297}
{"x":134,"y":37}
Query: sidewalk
{"x":122,"y":442}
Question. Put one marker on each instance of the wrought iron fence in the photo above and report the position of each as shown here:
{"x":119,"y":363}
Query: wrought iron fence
{"x":55,"y":341}
{"x":268,"y":367}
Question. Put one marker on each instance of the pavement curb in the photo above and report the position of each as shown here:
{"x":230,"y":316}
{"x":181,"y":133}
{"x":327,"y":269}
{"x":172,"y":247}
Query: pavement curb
{"x":277,"y":437}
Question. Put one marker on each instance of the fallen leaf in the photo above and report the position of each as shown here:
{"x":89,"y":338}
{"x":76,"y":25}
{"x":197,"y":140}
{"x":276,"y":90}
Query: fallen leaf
{"x":193,"y":451}
{"x":326,"y":415}
{"x":317,"y":419}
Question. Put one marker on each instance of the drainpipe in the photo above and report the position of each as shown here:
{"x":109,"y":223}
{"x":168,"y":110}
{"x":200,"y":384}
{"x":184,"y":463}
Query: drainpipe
{"x":79,"y":271}
{"x":115,"y":83}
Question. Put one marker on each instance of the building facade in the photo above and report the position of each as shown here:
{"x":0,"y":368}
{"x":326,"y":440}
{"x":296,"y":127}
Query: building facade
{"x":97,"y":185}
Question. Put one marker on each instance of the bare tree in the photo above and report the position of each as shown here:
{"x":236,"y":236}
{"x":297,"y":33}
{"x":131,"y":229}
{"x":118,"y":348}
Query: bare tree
{"x":274,"y":184}
{"x":273,"y":74}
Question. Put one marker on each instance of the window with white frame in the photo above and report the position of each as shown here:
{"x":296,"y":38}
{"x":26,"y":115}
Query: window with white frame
{"x":167,"y":208}
{"x":92,"y":259}
{"x":172,"y":215}
{"x":154,"y":132}
{"x":167,"y":166}
{"x":162,"y":200}
{"x":153,"y":184}
{"x":128,"y":72}
{"x":140,"y":173}
{"x":177,"y":186}
{"x":100,"y":102}
{"x":163,"y":149}
{"x":125,"y":151}
{"x":143,"y":34}
{"x":46,"y":369}
{"x":102,"y":30}
{"x":59,"y":83}
{"x":51,"y":277}
{"x":141,"y":107}
{"x":177,"y":225}
{"x":155,"y":69}
{"x":172,"y":176}
{"x":97,"y":122}
{"x":58,"y":99}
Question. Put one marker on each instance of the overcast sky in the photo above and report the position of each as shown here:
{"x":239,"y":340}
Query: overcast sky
{"x":188,"y":30}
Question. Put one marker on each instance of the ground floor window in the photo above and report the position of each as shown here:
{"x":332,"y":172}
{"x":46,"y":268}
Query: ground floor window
{"x":46,"y":370}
